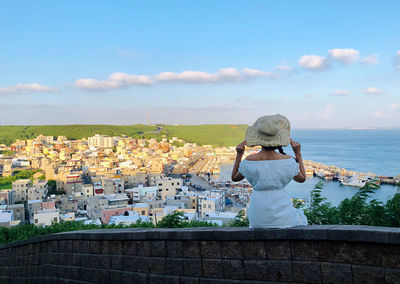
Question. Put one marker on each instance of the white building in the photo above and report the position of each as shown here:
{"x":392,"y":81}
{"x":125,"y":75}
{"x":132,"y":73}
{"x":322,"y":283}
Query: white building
{"x":127,"y":218}
{"x":137,"y":194}
{"x":33,"y":206}
{"x":6,"y":216}
{"x":46,"y":217}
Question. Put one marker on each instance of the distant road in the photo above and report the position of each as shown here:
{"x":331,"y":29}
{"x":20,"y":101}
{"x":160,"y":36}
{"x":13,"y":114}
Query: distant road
{"x":201,"y":182}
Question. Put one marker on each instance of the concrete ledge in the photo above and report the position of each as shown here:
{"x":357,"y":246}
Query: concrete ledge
{"x":316,"y":232}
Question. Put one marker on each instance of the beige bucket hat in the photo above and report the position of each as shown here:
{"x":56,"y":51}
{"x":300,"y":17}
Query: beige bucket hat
{"x":269,"y":131}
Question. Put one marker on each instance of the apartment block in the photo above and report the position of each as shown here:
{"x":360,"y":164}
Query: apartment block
{"x":168,"y":186}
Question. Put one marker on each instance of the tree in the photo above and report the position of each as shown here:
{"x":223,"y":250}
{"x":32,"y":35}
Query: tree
{"x":240,"y":220}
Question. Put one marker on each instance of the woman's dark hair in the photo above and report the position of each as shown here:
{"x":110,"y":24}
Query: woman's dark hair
{"x":280,"y":149}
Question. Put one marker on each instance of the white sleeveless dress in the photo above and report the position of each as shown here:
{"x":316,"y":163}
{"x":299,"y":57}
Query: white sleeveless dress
{"x":270,"y":206}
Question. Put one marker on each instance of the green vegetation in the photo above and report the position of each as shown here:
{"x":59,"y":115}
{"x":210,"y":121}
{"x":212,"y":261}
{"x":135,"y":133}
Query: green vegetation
{"x":177,"y":220}
{"x":240,"y":220}
{"x":358,"y":210}
{"x":355,"y":211}
{"x":174,"y":220}
{"x":6,"y":182}
{"x":52,"y":188}
{"x":178,"y":144}
{"x":7,"y":153}
{"x":217,"y":135}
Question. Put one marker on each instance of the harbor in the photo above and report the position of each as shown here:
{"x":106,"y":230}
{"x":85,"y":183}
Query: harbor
{"x":346,"y":177}
{"x":339,"y":183}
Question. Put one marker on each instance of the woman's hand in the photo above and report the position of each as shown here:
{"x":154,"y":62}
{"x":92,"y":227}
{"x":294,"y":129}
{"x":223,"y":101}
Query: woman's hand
{"x":295,"y":146}
{"x":301,"y":176}
{"x":241,"y":147}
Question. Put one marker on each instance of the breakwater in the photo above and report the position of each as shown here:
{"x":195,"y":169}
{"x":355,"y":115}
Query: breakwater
{"x":333,"y":172}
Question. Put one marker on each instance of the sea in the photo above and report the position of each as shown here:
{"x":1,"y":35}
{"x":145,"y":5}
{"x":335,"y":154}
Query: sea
{"x":362,"y":150}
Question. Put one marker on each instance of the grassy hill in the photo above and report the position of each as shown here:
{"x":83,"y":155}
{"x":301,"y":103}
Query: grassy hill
{"x":217,"y":135}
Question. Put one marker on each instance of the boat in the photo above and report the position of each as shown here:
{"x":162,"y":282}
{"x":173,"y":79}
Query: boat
{"x":353,"y":181}
{"x":325,"y":175}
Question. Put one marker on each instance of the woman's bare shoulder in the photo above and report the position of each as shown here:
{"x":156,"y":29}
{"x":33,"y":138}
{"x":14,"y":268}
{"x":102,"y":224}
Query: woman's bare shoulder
{"x":256,"y":157}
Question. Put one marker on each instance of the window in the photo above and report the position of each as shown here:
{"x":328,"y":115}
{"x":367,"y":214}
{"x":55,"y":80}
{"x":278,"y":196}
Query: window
{"x":193,"y":207}
{"x":36,"y":221}
{"x":143,"y":212}
{"x":160,"y":184}
{"x":177,"y":183}
{"x":172,"y":183}
{"x":209,"y":206}
{"x":166,"y":189}
{"x":55,"y":219}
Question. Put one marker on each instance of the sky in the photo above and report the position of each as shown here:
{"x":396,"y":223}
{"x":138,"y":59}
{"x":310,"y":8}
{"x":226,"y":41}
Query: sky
{"x":323,"y":64}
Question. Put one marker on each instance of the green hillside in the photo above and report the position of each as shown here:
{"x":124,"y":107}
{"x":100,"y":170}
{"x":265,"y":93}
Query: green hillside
{"x":217,"y":135}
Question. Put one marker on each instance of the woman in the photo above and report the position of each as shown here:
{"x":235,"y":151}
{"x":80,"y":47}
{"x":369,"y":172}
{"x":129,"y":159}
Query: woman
{"x":269,"y":172}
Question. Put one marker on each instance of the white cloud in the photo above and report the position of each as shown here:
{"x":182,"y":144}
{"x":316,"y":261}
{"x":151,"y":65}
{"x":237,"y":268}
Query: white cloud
{"x":26,"y":88}
{"x":372,"y":90}
{"x":130,"y":79}
{"x":344,"y":55}
{"x":308,"y":96}
{"x":394,"y":107}
{"x":314,"y":62}
{"x":222,"y":76}
{"x":122,"y":80}
{"x":115,"y":81}
{"x":341,"y":93}
{"x":326,"y":112}
{"x":370,"y":60}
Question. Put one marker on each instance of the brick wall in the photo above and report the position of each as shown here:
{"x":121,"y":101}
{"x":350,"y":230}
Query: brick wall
{"x":312,"y":254}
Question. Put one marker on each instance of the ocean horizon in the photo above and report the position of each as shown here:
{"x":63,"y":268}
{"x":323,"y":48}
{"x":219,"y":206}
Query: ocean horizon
{"x":374,"y":151}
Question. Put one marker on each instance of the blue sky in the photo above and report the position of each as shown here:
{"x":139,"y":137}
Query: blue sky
{"x":323,"y":64}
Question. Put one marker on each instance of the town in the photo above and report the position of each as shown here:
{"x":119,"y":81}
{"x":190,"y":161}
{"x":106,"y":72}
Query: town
{"x":111,"y":180}
{"x":122,"y":180}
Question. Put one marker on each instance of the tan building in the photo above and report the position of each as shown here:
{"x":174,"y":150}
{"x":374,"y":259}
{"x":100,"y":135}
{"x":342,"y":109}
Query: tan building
{"x":141,"y":208}
{"x":20,"y":188}
{"x":87,"y":190}
{"x":101,"y":141}
{"x":7,"y":197}
{"x":94,"y":205}
{"x":66,"y":205}
{"x":18,"y":211}
{"x":111,"y":186}
{"x":168,"y":186}
{"x":38,"y":190}
{"x":207,"y":206}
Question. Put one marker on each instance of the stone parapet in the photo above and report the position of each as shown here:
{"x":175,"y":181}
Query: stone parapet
{"x":309,"y":254}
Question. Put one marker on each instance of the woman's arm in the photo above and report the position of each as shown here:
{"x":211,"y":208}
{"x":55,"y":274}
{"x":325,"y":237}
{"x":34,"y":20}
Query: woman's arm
{"x":236,"y":176}
{"x":301,"y":177}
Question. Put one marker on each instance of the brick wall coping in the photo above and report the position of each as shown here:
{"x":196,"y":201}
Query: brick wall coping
{"x":385,"y":235}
